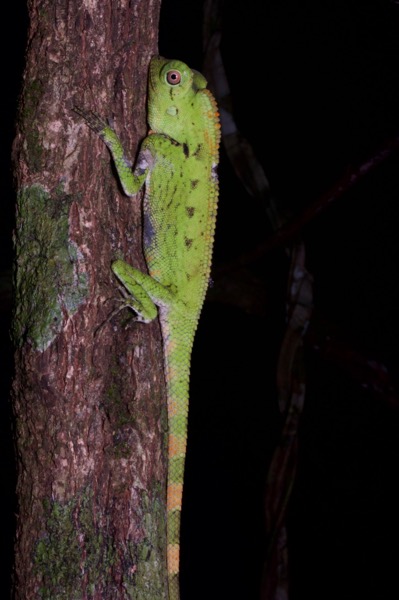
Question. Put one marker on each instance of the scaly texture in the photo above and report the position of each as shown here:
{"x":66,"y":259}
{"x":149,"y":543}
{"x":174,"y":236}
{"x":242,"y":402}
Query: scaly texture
{"x":177,"y":162}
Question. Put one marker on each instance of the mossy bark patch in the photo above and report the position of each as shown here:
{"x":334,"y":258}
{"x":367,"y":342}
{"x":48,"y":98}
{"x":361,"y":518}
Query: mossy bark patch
{"x":72,"y":549}
{"x":49,"y":280}
{"x":77,"y":549}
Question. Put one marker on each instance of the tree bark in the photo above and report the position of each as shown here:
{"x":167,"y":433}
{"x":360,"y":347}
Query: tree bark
{"x":88,"y":390}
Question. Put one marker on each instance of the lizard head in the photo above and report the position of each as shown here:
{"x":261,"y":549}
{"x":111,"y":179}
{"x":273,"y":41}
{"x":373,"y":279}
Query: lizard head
{"x":172,"y":91}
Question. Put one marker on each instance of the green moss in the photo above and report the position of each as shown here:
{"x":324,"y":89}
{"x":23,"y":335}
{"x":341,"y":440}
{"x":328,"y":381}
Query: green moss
{"x":47,"y":281}
{"x":148,"y":581}
{"x":74,"y":555}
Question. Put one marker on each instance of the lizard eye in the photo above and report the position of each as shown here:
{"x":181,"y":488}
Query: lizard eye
{"x":173,"y":77}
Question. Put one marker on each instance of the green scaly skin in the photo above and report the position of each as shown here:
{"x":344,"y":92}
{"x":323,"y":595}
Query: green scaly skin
{"x":177,"y":163}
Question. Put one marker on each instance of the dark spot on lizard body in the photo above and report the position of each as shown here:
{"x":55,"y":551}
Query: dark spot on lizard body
{"x":186,"y":150}
{"x":188,"y":242}
{"x":190,"y":210}
{"x":194,"y":183}
{"x":171,"y":196}
{"x":197,"y":150}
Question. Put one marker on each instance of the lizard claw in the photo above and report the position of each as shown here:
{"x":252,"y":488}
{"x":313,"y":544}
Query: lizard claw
{"x":123,"y":303}
{"x":92,"y":119}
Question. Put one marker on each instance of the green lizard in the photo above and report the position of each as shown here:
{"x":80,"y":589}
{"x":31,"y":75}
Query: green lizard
{"x":177,"y":163}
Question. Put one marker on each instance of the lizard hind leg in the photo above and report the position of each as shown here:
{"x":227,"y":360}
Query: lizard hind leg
{"x":144,"y":291}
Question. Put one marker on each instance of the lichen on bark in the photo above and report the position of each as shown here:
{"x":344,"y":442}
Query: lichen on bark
{"x":78,"y":548}
{"x":49,"y":280}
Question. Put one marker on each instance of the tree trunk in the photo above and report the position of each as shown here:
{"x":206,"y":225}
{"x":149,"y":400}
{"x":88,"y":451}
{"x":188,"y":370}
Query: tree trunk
{"x":88,"y":390}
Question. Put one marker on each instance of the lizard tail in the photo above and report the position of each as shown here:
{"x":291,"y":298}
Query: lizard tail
{"x":174,"y":504}
{"x":177,"y":368}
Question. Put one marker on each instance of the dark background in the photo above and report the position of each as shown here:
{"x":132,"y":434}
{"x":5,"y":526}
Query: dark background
{"x":315,"y":91}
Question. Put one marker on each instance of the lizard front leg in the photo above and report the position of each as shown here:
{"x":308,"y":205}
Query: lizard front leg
{"x":131,"y":181}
